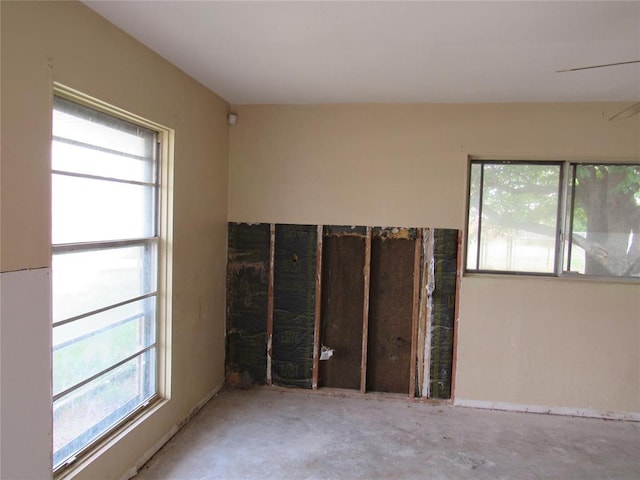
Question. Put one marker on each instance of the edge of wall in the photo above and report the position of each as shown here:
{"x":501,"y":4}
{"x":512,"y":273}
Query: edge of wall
{"x":566,"y":411}
{"x":135,"y":469}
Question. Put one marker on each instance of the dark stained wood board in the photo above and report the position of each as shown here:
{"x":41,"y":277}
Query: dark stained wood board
{"x":342,"y":304}
{"x":391,"y":310}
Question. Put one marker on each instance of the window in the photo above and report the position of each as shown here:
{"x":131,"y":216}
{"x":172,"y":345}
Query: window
{"x":554,"y":218}
{"x":106,"y":265}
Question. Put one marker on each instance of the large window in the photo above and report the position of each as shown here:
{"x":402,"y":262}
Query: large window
{"x":554,"y":218}
{"x":105,"y":273}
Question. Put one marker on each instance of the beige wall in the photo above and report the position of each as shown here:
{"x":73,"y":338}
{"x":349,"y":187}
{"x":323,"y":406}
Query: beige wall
{"x":68,"y":43}
{"x":532,"y":341}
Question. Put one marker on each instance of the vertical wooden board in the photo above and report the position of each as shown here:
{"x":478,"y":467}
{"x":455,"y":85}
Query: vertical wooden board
{"x":417,"y":257}
{"x":365,"y":308}
{"x":445,"y":253}
{"x":318,"y":310}
{"x":425,"y":292}
{"x":294,"y":305}
{"x":391,"y":310}
{"x":272,"y":241}
{"x":342,"y":303}
{"x":247,"y":287}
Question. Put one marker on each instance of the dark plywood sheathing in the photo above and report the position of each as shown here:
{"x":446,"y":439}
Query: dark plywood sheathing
{"x":272,"y":244}
{"x":390,"y":309}
{"x":415,"y":313}
{"x":456,"y":316}
{"x":365,"y":309}
{"x":316,"y":329}
{"x":343,"y":261}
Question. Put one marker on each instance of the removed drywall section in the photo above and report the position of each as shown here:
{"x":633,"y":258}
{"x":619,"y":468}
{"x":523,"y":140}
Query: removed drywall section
{"x":391,"y":309}
{"x":342,"y":305}
{"x":294,"y":305}
{"x":383,"y":300}
{"x":247,"y":292}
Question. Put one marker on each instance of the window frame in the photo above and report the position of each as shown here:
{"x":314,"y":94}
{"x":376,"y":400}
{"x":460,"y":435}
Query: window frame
{"x":160,"y":240}
{"x":564,"y":213}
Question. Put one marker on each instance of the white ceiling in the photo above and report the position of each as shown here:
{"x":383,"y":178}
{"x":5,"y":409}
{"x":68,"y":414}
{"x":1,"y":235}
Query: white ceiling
{"x":336,"y":52}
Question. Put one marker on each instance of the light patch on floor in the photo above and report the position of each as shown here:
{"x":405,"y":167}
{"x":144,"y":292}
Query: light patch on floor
{"x":270,"y":434}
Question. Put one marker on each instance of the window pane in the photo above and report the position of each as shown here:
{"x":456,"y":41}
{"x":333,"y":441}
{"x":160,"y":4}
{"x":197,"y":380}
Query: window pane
{"x":86,"y":210}
{"x":87,"y":346}
{"x":85,"y":125}
{"x":519,"y":217}
{"x":105,"y":252}
{"x":85,"y":414}
{"x":88,"y":280}
{"x":73,"y":158}
{"x":606,"y":220}
{"x":474,"y":217}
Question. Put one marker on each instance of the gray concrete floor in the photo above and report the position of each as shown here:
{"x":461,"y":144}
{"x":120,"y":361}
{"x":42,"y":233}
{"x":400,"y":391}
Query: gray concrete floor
{"x":270,"y":434}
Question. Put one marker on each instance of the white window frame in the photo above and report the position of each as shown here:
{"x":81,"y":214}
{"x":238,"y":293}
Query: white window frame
{"x":162,"y":242}
{"x":564,"y":214}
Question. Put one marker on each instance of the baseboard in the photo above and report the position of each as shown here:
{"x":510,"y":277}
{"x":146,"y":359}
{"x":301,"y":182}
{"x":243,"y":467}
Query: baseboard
{"x":133,"y":471}
{"x":567,"y":411}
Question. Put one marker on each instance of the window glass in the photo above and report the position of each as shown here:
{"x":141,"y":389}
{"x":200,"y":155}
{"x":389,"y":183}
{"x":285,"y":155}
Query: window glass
{"x":93,"y":409}
{"x":89,"y":210}
{"x":90,"y":345}
{"x":109,"y":276}
{"x":604,"y":236}
{"x":517,"y":225}
{"x":515,"y":210}
{"x":66,"y":157}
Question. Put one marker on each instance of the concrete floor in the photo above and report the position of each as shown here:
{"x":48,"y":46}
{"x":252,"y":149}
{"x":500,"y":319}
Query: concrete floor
{"x":270,"y":434}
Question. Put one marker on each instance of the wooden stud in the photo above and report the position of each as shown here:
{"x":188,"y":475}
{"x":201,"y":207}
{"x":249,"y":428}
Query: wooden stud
{"x":422,"y":312}
{"x":414,"y":314}
{"x":318,"y":306}
{"x":272,"y":250}
{"x":365,"y":311}
{"x":456,"y":316}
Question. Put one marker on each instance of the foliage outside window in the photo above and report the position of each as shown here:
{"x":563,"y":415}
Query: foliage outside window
{"x":554,"y":218}
{"x":105,"y":197}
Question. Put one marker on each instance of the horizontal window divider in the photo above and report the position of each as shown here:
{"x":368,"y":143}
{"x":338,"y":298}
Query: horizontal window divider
{"x":96,"y":332}
{"x":102,"y":372}
{"x":104,"y":309}
{"x":100,"y":177}
{"x":102,"y":245}
{"x":90,"y":146}
{"x":511,"y":273}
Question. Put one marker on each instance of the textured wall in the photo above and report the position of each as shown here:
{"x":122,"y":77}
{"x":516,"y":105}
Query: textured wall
{"x":43,"y":42}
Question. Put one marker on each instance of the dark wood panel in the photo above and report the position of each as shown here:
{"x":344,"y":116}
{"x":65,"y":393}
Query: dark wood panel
{"x":342,"y":304}
{"x":391,"y":310}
